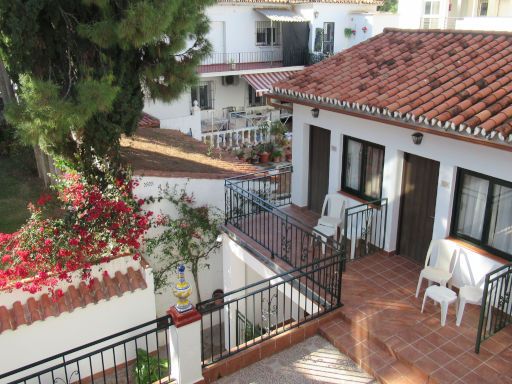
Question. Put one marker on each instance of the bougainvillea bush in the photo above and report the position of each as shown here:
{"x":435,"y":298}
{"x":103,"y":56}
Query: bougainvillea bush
{"x":67,"y":233}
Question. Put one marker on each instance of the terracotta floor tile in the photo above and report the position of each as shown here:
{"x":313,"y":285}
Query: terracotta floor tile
{"x":441,"y":358}
{"x":473,"y":378}
{"x":436,"y":339}
{"x":500,"y":365}
{"x":426,"y":364}
{"x":409,"y":354}
{"x":444,"y":376}
{"x":452,"y":349}
{"x":457,"y":368}
{"x":424,"y":346}
{"x":469,"y":359}
{"x":464,"y":342}
{"x":489,"y":373}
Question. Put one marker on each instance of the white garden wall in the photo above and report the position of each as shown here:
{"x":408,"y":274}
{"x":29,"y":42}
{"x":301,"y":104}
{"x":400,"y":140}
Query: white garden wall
{"x":206,"y":191}
{"x":42,"y":339}
{"x":449,"y":152}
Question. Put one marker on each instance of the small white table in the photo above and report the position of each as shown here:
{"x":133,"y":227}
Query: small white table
{"x":441,"y":295}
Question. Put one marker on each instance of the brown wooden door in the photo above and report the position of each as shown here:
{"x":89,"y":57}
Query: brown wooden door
{"x":417,"y":206}
{"x":319,"y":151}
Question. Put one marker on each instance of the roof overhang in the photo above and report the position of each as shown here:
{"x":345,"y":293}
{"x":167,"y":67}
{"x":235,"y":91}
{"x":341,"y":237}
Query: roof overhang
{"x":282,"y":15}
{"x":262,"y":82}
{"x":390,"y":120}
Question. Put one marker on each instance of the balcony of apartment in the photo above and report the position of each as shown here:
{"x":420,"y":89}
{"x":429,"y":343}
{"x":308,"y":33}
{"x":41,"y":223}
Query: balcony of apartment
{"x":469,"y":23}
{"x":260,"y":60}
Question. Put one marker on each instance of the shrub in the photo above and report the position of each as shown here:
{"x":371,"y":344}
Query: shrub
{"x":81,"y":225}
{"x":149,"y":369}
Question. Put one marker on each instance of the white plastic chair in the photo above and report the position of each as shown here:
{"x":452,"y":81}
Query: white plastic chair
{"x":440,"y":272}
{"x":332,"y":212}
{"x":468,"y":294}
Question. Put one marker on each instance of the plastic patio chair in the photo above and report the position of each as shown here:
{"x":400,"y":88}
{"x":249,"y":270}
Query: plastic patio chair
{"x":440,"y":272}
{"x":468,"y":295}
{"x":332,"y":212}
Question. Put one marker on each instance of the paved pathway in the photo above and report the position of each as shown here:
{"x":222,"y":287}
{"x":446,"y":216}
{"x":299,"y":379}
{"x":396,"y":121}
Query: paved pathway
{"x":313,"y":361}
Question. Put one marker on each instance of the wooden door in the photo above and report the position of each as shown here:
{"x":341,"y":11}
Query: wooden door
{"x":319,"y":152}
{"x":417,"y":206}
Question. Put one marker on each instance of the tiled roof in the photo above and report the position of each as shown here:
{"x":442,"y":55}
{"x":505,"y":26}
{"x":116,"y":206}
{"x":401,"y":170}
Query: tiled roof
{"x":371,"y":2}
{"x":38,"y":310}
{"x":457,"y":81}
{"x":171,"y":153}
{"x":148,"y":121}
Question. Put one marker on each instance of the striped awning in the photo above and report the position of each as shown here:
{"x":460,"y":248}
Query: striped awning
{"x":283,"y":15}
{"x":262,"y":82}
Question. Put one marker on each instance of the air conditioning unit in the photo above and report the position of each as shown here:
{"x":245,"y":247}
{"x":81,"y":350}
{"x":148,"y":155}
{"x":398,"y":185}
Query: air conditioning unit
{"x":230,"y":80}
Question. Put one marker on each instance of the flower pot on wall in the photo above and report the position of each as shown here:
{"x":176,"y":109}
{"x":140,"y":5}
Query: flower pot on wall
{"x":264,"y":157}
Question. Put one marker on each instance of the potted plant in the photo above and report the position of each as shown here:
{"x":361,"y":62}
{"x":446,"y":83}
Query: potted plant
{"x":277,"y":155}
{"x":240,"y":154}
{"x":288,"y":154}
{"x":255,"y":158}
{"x":263,"y":154}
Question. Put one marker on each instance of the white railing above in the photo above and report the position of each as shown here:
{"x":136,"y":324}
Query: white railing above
{"x":236,"y":138}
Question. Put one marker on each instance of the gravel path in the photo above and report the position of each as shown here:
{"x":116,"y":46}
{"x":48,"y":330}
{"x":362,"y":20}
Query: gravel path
{"x":312,"y":361}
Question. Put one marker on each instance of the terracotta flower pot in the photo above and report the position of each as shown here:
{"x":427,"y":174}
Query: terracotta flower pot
{"x":264,"y":157}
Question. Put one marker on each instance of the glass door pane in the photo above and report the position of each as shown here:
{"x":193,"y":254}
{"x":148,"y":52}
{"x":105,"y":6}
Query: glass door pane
{"x":373,"y":172}
{"x":353,"y":167}
{"x":500,"y":230}
{"x":472,"y":201}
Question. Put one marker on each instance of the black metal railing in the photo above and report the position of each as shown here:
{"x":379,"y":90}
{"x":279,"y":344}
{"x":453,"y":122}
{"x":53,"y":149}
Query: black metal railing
{"x":365,"y":228}
{"x":257,"y":312}
{"x":496,"y":309}
{"x":235,"y":61}
{"x":252,"y":208}
{"x":136,"y":355}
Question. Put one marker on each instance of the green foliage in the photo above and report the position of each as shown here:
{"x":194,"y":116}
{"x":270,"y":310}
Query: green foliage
{"x":389,"y":6}
{"x":149,"y":369}
{"x":83,"y":67}
{"x":188,"y":237}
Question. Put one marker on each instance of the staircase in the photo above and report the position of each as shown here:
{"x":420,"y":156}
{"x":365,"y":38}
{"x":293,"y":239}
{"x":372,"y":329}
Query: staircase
{"x":381,"y":360}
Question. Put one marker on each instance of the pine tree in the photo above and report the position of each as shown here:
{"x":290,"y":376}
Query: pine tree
{"x":83,"y":68}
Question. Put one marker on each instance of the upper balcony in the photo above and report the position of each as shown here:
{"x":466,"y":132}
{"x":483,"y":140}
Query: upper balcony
{"x":481,"y":23}
{"x":244,"y":61}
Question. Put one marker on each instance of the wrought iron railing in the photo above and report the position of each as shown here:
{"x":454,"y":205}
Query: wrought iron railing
{"x":365,"y":228}
{"x":136,"y":355}
{"x":257,"y":312}
{"x":496,"y":309}
{"x":235,"y":61}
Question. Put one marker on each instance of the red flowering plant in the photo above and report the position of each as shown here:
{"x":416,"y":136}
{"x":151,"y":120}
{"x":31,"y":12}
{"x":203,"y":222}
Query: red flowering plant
{"x":91,"y":226}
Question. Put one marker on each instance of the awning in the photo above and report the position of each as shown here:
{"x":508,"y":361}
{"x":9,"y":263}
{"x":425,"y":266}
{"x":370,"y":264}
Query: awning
{"x":262,"y":82}
{"x":284,"y":15}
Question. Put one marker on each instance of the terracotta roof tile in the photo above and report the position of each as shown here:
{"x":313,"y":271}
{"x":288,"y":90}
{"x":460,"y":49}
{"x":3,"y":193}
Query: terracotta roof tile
{"x":458,"y":80}
{"x":148,"y":121}
{"x":44,"y":307}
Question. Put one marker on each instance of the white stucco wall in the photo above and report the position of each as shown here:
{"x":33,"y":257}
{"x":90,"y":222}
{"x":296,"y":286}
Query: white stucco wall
{"x":450,"y":153}
{"x":205,"y":191}
{"x":31,"y":343}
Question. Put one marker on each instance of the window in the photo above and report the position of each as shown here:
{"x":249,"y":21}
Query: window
{"x":328,"y":41}
{"x":319,"y":38}
{"x":203,"y":93}
{"x":268,"y":33}
{"x":254,"y":100}
{"x":483,"y":7}
{"x":363,"y":164}
{"x":483,"y":212}
{"x":432,"y":7}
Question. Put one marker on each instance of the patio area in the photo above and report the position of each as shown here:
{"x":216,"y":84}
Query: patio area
{"x":381,"y":327}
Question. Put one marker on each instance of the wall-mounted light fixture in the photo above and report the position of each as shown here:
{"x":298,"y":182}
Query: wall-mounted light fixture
{"x":316,"y":13}
{"x":315,"y":112}
{"x":417,"y":137}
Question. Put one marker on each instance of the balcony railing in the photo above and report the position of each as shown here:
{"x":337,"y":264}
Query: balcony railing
{"x":496,"y":309}
{"x":239,"y":61}
{"x":479,"y":23}
{"x":123,"y":357}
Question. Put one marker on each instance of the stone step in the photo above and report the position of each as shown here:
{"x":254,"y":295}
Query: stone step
{"x":382,"y":360}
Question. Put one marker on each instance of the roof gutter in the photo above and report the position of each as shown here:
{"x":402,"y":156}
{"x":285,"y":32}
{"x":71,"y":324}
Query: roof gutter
{"x":388,"y":120}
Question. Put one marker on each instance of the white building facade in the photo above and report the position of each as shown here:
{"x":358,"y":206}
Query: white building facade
{"x":488,"y":15}
{"x":257,"y":43}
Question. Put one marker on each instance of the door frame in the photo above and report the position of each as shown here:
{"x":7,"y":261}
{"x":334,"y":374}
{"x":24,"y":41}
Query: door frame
{"x":402,"y":198}
{"x":310,"y":163}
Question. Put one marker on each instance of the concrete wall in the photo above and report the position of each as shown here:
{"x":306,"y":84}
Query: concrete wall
{"x":205,"y":191}
{"x":31,"y":343}
{"x":449,"y":152}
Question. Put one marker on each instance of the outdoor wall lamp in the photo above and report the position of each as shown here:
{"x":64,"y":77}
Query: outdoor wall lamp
{"x":417,"y":137}
{"x":315,"y":112}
